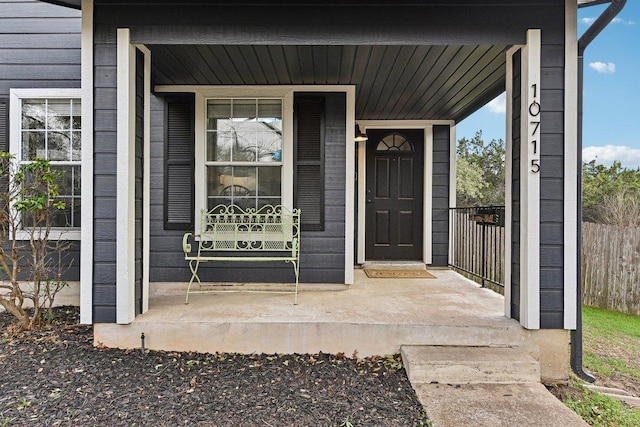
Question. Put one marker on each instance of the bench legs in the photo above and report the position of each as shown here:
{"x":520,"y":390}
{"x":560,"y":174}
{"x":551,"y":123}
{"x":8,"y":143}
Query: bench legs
{"x":296,"y":270}
{"x":193,"y":266}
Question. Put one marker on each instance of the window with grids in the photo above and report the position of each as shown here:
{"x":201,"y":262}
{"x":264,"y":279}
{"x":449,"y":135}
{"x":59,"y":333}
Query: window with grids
{"x":244,"y":151}
{"x":50,"y":129}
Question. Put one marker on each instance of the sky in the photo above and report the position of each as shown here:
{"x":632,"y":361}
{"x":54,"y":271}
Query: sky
{"x":611,"y":126}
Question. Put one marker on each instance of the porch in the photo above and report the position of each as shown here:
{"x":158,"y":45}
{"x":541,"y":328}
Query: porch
{"x":370,"y":317}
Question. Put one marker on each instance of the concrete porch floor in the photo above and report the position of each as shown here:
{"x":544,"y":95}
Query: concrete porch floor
{"x":373,"y":316}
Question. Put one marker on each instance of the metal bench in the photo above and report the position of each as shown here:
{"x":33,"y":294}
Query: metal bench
{"x":231,"y":233}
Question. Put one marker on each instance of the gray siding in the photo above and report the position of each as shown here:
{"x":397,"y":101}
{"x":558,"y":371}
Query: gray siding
{"x":421,"y":24}
{"x":321,"y":253}
{"x":515,"y":185}
{"x":440,"y":199}
{"x":39,"y":46}
{"x":105,"y":183}
{"x":552,"y":184}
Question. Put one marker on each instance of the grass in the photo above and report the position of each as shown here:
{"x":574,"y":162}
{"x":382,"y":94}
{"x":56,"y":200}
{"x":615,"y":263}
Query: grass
{"x":612,"y":346}
{"x":612,"y":354}
{"x":600,"y":410}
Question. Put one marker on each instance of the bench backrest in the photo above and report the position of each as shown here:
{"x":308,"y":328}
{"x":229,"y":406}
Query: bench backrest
{"x":232,"y":228}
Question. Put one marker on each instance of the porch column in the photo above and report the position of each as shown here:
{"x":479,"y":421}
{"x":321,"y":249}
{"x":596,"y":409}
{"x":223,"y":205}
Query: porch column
{"x":530,"y":183}
{"x":132,"y":213}
{"x":125,"y":236}
{"x":522,"y":198}
{"x":86,"y":202}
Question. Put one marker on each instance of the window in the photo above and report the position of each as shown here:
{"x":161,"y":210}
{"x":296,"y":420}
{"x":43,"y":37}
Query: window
{"x":47,"y":124}
{"x":244,"y":151}
{"x":395,"y":142}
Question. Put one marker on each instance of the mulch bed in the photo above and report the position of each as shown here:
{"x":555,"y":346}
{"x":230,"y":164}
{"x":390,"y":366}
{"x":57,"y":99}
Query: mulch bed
{"x":55,"y":376}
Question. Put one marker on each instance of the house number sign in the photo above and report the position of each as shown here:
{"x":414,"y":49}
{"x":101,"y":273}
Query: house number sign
{"x":534,"y":127}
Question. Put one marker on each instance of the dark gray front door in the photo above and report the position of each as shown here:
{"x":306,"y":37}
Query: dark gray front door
{"x":394,"y":194}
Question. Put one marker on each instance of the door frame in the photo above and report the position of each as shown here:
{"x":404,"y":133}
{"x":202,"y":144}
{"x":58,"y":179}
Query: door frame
{"x":427,"y":203}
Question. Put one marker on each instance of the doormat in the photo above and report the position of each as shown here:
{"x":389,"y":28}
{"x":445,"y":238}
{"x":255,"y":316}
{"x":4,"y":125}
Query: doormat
{"x":398,"y":274}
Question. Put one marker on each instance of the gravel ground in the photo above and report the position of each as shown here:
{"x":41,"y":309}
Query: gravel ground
{"x":55,"y":377}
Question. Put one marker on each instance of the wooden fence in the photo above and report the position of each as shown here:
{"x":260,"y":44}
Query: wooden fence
{"x":611,"y":267}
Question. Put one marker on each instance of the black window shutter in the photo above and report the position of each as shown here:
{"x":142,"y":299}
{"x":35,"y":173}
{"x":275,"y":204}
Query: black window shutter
{"x":179,"y":160}
{"x":309,"y":161}
{"x":4,"y":125}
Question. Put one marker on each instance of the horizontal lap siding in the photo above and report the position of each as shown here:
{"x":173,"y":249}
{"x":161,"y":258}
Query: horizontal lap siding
{"x":552,"y":180}
{"x":105,"y":182}
{"x":440,"y":198}
{"x":40,"y":48}
{"x":321,"y":252}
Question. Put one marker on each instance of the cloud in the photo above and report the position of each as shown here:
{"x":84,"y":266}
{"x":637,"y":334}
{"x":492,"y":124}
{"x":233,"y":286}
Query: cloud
{"x":498,"y":105}
{"x":622,"y":21}
{"x":629,"y":157}
{"x":603,"y":68}
{"x":588,"y":21}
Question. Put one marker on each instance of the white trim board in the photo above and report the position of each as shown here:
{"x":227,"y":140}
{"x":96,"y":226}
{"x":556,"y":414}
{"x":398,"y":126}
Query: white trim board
{"x":286,"y":92}
{"x":530,"y":182}
{"x":86,"y":232}
{"x":15,"y":129}
{"x":125,"y":235}
{"x":427,"y":229}
{"x":571,"y":166}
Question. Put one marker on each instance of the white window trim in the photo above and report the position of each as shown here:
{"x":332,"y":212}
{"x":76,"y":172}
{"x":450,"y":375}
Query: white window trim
{"x":239,"y":91}
{"x":15,"y":129}
{"x":200,"y":169}
{"x":286,"y":186}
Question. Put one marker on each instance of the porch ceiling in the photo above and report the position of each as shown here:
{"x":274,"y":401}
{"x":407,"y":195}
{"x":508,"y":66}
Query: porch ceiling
{"x":392,"y":82}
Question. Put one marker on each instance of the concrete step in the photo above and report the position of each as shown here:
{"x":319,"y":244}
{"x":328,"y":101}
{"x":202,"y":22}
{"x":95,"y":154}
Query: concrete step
{"x":469,"y":365}
{"x":495,"y":405}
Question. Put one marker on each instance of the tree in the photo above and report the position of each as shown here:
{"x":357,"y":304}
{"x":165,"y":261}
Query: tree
{"x":32,"y":264}
{"x":480,"y":171}
{"x":610,"y":194}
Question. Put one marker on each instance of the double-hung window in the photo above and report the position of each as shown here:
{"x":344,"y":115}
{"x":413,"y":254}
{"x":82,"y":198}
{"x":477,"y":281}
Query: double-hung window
{"x":46,"y":124}
{"x":244,"y":151}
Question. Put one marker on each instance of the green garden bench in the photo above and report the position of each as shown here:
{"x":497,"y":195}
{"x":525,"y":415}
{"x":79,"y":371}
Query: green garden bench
{"x":230,"y":233}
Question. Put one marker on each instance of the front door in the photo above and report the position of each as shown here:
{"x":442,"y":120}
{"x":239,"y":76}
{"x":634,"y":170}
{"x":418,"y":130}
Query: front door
{"x":394,"y":194}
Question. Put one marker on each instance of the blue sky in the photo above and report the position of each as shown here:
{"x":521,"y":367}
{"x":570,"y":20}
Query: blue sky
{"x":611,"y":128}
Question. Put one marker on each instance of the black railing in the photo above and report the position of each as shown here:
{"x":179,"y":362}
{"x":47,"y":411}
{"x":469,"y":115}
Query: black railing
{"x":477,"y":244}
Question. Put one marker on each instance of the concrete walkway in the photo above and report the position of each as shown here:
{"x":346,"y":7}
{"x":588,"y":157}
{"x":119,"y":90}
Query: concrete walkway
{"x":495,"y":405}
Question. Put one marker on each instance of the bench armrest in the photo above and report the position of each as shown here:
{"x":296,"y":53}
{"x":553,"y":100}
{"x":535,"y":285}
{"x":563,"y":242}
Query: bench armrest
{"x":186,"y":244}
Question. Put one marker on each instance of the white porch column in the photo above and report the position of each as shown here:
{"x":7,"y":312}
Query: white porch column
{"x":530,"y":144}
{"x":86,"y":202}
{"x":570,"y":166}
{"x":125,"y":236}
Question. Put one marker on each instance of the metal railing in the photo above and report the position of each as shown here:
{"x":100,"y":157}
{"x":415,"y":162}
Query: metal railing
{"x":478,"y":244}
